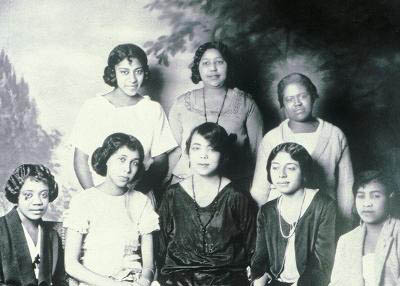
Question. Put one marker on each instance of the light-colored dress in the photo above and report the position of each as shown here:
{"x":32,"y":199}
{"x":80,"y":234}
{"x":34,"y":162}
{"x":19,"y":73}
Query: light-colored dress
{"x":111,"y":225}
{"x":240,"y":115}
{"x":145,"y":120}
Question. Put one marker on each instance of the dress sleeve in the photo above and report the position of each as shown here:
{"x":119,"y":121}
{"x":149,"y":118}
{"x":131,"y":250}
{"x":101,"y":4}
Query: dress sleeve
{"x":325,"y":244}
{"x":163,"y":140}
{"x":260,"y":187}
{"x":339,"y":267}
{"x":254,"y":127}
{"x":166,"y":227}
{"x":345,"y":181}
{"x":78,"y":215}
{"x":259,"y":261}
{"x":175,"y":121}
{"x":80,"y":136}
{"x":148,"y":221}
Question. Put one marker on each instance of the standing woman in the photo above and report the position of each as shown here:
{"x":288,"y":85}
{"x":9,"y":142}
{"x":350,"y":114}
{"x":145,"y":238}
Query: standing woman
{"x":325,"y":142}
{"x":216,"y":102}
{"x":125,"y":110}
{"x":207,"y":224}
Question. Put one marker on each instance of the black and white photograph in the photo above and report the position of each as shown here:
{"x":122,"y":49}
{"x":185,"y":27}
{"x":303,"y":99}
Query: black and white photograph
{"x":199,"y":142}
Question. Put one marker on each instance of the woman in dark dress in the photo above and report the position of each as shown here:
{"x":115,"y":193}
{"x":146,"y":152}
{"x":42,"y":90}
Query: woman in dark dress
{"x":207,"y":225}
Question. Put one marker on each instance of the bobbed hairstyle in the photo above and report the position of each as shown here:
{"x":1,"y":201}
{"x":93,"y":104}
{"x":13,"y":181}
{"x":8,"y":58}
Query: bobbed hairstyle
{"x":35,"y":171}
{"x":299,"y":154}
{"x":299,"y":79}
{"x":117,"y":55}
{"x":218,"y":138}
{"x":110,"y":145}
{"x":223,"y":49}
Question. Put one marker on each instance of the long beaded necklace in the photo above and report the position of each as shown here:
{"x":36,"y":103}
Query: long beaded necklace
{"x":293,"y":229}
{"x":220,"y":111}
{"x":213,"y":211}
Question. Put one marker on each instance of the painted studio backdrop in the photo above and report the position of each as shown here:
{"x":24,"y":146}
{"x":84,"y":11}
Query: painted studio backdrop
{"x":53,"y":54}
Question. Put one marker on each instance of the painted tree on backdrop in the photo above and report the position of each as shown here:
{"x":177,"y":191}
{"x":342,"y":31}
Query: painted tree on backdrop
{"x":348,"y":48}
{"x":23,"y":140}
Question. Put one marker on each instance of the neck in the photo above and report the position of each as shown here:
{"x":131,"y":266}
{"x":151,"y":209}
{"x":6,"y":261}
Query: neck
{"x":112,"y":189}
{"x":212,"y":179}
{"x":309,"y":125}
{"x":214,"y":91}
{"x":294,"y":197}
{"x":374,"y":228}
{"x":123,"y":99}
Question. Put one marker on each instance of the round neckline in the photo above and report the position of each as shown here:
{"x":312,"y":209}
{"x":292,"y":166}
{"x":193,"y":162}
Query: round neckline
{"x":142,"y":97}
{"x":109,"y":195}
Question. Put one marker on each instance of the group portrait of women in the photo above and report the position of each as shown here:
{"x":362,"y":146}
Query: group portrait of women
{"x":203,"y":195}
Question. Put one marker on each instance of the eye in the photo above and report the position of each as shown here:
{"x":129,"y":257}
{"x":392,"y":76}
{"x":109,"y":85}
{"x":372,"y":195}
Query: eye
{"x":44,"y":195}
{"x":360,"y":196}
{"x":122,"y":159}
{"x":124,"y":72}
{"x":220,"y":62}
{"x":205,"y":63}
{"x":274,"y":168}
{"x":194,"y":148}
{"x":291,"y":168}
{"x":289,"y":99}
{"x":136,"y":163}
{"x":376,"y":196}
{"x":27,"y":196}
{"x":139,"y":72}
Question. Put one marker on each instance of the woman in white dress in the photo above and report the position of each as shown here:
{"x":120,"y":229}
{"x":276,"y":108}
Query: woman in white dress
{"x":109,"y":227}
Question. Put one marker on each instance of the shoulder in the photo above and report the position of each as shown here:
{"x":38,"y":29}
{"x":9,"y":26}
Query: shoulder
{"x":138,"y":197}
{"x":148,"y":103}
{"x":84,"y":196}
{"x":269,"y":206}
{"x":323,"y":201}
{"x":274,"y":136}
{"x":187,"y":95}
{"x":350,"y":236}
{"x":332,"y":129}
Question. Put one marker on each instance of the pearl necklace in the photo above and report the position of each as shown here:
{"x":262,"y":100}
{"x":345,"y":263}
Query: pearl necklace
{"x":293,"y":229}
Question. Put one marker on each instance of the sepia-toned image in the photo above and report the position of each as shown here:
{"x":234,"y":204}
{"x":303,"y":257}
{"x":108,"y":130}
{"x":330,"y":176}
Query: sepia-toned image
{"x":199,"y":142}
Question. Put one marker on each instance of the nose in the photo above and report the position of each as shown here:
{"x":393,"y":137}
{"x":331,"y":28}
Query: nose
{"x":204,"y":155}
{"x":213,"y":66}
{"x":282,"y":173}
{"x":297,"y":101}
{"x":127,"y":168}
{"x":37,"y":200}
{"x":133,"y":78}
{"x":367,"y":202}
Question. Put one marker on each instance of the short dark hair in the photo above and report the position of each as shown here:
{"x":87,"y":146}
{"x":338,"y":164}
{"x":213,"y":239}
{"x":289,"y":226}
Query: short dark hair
{"x":110,"y":145}
{"x":296,"y":78}
{"x":37,"y":172}
{"x":223,"y":49}
{"x":299,"y":154}
{"x":117,"y":55}
{"x":218,"y":138}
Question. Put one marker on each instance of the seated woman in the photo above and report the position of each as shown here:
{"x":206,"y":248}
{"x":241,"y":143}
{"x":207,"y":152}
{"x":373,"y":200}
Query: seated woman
{"x":30,"y":249}
{"x":370,"y":254}
{"x":110,"y":226}
{"x":326,"y":143}
{"x":296,"y":232}
{"x":207,"y":224}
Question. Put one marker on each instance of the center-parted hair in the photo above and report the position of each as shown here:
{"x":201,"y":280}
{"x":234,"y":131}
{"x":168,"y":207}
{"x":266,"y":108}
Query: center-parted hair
{"x":110,"y":145}
{"x":117,"y":55}
{"x":36,"y":172}
{"x":218,"y":138}
{"x":297,"y":153}
{"x":223,"y":49}
{"x":297,"y":78}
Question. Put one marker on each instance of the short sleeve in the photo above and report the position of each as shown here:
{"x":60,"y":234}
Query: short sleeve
{"x":77,"y":217}
{"x":163,"y":140}
{"x":148,"y":220}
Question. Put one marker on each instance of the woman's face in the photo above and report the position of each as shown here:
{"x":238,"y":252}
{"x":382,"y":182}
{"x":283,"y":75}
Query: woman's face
{"x":122,"y":166}
{"x":33,"y":199}
{"x":130,"y":76}
{"x":372,"y":202}
{"x":204,"y":160}
{"x":213,"y":68}
{"x":286,"y":173}
{"x":298,"y":102}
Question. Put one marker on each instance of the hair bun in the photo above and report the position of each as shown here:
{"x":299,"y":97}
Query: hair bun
{"x":98,"y":161}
